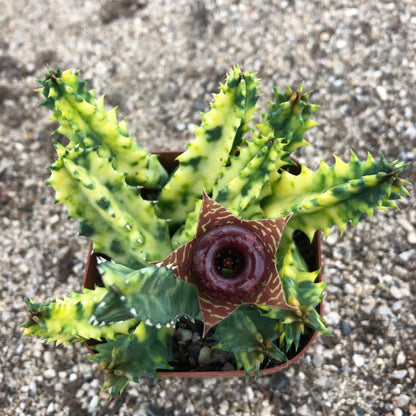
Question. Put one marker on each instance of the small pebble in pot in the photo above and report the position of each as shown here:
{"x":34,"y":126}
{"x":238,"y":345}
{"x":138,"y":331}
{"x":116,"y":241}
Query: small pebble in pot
{"x":184,"y":335}
{"x":204,"y":356}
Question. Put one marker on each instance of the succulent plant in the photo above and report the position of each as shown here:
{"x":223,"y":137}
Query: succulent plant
{"x":219,"y":240}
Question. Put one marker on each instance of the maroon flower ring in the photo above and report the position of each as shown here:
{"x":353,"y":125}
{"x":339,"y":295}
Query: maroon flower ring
{"x":229,"y":261}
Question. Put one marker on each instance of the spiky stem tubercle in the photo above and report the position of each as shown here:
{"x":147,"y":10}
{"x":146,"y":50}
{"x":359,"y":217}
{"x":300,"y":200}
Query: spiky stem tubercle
{"x":93,"y":176}
{"x":110,"y":212}
{"x":68,"y":320}
{"x":335,"y":195}
{"x":208,"y":154}
{"x":85,"y":121}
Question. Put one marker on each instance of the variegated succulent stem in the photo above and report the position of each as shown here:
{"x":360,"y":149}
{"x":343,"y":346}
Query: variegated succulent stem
{"x":250,"y":171}
{"x":152,"y":294}
{"x":250,"y":336}
{"x":221,"y":131}
{"x":241,"y":184}
{"x":303,"y":291}
{"x":85,"y":121}
{"x":289,"y":118}
{"x":111,"y":213}
{"x":68,"y":320}
{"x":141,"y":352}
{"x":248,"y":183}
{"x":335,"y":195}
{"x":255,"y":163}
{"x":290,"y":261}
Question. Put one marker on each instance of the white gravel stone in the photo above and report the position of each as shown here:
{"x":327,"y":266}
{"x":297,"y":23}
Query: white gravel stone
{"x":62,"y":374}
{"x":49,"y":373}
{"x":303,"y":410}
{"x":359,"y":360}
{"x":407,"y":255}
{"x":267,"y":409}
{"x":382,"y":92}
{"x":384,"y":311}
{"x":51,"y":409}
{"x":321,"y":381}
{"x":403,"y":400}
{"x":401,"y":358}
{"x":204,"y":356}
{"x":93,"y":403}
{"x":72,"y":377}
{"x":399,"y":374}
{"x":185,"y":335}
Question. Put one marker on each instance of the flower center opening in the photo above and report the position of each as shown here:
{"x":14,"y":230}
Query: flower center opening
{"x":229,"y":262}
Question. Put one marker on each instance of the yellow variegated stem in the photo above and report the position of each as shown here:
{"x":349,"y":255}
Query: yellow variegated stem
{"x":237,"y":194}
{"x":335,"y":195}
{"x":188,"y":230}
{"x":249,"y":182}
{"x":85,"y":120}
{"x":239,"y":161}
{"x":140,"y":353}
{"x":289,"y":118}
{"x":201,"y":164}
{"x":290,"y":262}
{"x":140,"y":332}
{"x":253,"y":174}
{"x":113,"y":214}
{"x":68,"y":320}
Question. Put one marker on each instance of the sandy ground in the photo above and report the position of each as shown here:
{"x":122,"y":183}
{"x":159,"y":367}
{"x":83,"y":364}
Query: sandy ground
{"x":159,"y":62}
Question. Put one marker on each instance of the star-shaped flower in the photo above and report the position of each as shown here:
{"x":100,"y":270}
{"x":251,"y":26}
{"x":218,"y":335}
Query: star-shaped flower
{"x":231,"y":261}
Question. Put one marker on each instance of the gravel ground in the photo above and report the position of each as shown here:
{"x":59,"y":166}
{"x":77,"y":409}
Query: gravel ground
{"x":159,"y":61}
